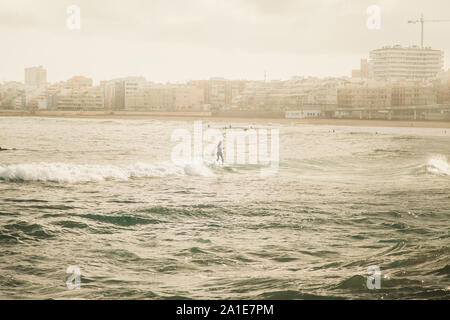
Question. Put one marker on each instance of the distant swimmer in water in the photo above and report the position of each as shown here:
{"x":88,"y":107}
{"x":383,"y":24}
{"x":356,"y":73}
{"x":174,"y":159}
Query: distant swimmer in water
{"x":219,"y":152}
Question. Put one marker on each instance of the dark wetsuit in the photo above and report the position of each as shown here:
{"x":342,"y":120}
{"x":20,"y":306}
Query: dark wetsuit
{"x":219,"y":152}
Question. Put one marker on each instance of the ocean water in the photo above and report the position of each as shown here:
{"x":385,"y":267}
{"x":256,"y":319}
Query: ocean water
{"x":105,"y":196}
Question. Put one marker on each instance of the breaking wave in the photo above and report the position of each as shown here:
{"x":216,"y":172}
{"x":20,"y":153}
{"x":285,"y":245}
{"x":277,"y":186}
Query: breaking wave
{"x":437,"y":164}
{"x":67,"y":172}
{"x":197,"y":169}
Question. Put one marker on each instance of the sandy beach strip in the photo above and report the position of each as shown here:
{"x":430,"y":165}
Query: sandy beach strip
{"x":206,"y":116}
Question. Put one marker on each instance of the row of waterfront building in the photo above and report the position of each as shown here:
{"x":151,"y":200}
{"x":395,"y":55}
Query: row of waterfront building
{"x":137,"y":94}
{"x":395,"y":79}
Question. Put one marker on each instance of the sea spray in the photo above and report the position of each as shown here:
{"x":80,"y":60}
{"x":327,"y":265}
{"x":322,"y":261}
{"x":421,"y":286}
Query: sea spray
{"x":438,"y":164}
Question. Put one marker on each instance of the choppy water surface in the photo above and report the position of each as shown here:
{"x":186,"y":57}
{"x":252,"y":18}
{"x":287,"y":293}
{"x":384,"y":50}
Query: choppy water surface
{"x":104,"y":195}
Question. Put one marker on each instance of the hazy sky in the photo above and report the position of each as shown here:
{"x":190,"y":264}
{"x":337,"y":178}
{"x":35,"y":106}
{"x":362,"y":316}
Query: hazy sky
{"x":170,"y":40}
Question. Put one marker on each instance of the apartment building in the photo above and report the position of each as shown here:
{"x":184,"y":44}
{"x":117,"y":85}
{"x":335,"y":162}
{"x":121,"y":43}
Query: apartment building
{"x":44,"y":98}
{"x":379,"y":95}
{"x":443,"y":81}
{"x":117,"y":91}
{"x":81,"y":99}
{"x":166,"y":97}
{"x":289,"y":95}
{"x":78,"y":82}
{"x":405,"y":63}
{"x":34,"y":98}
{"x":254,"y":96}
{"x":444,"y":94}
{"x":189,"y":98}
{"x":373,"y":95}
{"x":151,"y":99}
{"x":219,"y":92}
{"x":413,"y":94}
{"x":35,"y":76}
{"x":12,"y":95}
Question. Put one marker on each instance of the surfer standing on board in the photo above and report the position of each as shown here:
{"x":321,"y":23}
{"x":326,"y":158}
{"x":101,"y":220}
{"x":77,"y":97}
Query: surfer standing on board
{"x":219,"y":152}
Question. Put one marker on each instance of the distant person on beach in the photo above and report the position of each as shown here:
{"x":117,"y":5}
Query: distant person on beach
{"x":219,"y":152}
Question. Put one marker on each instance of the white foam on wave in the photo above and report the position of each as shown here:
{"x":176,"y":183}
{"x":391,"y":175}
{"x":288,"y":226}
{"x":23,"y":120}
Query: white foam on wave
{"x":67,"y":172}
{"x":194,"y":170}
{"x":438,"y":164}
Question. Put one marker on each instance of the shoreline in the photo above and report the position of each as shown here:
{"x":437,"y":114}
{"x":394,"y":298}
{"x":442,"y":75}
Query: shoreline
{"x":206,"y":116}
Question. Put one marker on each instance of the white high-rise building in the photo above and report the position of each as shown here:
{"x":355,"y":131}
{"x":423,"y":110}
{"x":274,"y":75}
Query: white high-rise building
{"x":405,"y":63}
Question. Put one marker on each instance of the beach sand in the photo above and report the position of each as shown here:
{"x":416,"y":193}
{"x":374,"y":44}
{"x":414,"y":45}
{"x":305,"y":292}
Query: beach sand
{"x":206,"y":116}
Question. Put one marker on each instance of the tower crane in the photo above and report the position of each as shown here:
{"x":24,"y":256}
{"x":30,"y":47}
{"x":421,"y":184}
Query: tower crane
{"x":422,"y":21}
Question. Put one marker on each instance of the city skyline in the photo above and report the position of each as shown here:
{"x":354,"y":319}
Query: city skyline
{"x":391,"y":63}
{"x":180,"y":42}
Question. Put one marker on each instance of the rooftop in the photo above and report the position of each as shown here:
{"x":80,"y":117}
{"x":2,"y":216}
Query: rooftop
{"x":399,"y":47}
